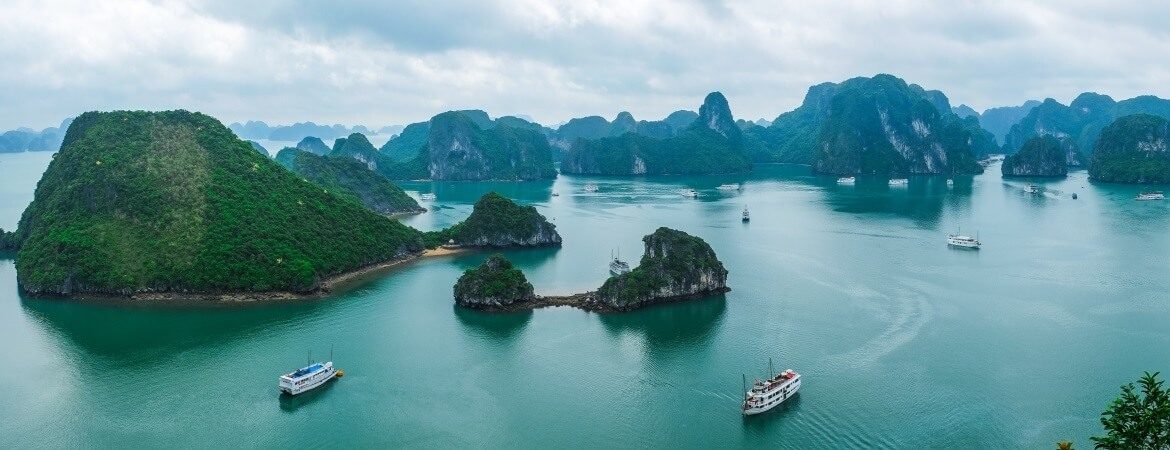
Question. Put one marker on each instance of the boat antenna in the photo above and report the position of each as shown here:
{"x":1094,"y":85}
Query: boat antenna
{"x":309,"y":359}
{"x":330,"y":352}
{"x":771,"y":371}
{"x":744,"y":384}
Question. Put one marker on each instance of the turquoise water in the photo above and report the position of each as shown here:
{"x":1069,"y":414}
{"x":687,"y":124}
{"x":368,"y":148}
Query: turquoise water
{"x":903,"y":342}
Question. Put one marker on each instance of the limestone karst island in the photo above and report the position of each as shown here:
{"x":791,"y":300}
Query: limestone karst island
{"x":585,"y":224}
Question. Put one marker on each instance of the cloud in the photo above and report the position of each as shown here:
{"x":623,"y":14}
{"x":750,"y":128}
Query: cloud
{"x":375,"y":63}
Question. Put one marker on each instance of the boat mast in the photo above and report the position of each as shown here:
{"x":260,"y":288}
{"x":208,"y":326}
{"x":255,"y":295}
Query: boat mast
{"x":309,"y":358}
{"x":744,"y":384}
{"x":330,"y":352}
{"x":771,"y":371}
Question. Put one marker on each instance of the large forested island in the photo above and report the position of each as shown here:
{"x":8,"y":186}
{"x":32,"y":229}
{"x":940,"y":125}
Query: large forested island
{"x":1133,"y":149}
{"x":712,"y":143}
{"x":879,"y":125}
{"x":675,"y":266}
{"x":466,"y":146}
{"x":1041,"y":156}
{"x":350,"y":179}
{"x":173,"y":202}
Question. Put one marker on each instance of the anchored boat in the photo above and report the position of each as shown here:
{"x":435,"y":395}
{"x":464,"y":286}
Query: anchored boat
{"x":689,"y":193}
{"x":899,"y":182}
{"x":729,"y":187}
{"x":958,"y":240}
{"x":767,"y":394}
{"x":746,"y":217}
{"x":1153,"y":195}
{"x":427,"y":196}
{"x":617,"y":266}
{"x":849,"y":181}
{"x":309,"y":377}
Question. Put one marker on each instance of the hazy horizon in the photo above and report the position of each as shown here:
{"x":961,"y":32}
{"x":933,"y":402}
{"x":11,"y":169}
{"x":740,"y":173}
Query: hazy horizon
{"x":369,"y":64}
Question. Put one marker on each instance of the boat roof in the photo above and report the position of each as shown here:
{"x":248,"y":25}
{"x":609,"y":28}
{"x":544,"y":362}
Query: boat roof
{"x":306,"y":370}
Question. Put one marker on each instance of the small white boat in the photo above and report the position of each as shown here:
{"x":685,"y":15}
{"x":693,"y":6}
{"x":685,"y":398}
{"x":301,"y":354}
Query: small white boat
{"x":729,"y":187}
{"x":959,"y":240}
{"x":746,"y":217}
{"x":690,"y":193}
{"x":899,"y":182}
{"x":846,"y":180}
{"x":617,"y":266}
{"x":427,"y":196}
{"x":1033,"y":189}
{"x":308,"y":377}
{"x":590,"y":187}
{"x":767,"y":394}
{"x":1152,"y":195}
{"x":556,"y":194}
{"x":950,"y":183}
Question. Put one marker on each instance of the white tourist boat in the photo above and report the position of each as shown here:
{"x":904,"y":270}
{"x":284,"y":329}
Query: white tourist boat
{"x":617,"y":266}
{"x":1032,"y":189}
{"x":590,"y":187}
{"x":427,"y":196}
{"x":963,"y":241}
{"x":846,"y":180}
{"x":899,"y":182}
{"x":1153,"y":195}
{"x":767,"y":394}
{"x":690,"y":193}
{"x":950,"y":183}
{"x":308,"y":377}
{"x":746,"y":216}
{"x":729,"y":187}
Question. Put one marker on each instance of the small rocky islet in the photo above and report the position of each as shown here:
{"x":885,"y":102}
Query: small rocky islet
{"x":676,"y":266}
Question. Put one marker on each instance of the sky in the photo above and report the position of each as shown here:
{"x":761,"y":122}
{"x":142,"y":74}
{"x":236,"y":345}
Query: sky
{"x":378,"y":63}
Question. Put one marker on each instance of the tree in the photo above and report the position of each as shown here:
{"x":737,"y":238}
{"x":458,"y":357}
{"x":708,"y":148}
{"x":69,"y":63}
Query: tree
{"x":1135,"y":421}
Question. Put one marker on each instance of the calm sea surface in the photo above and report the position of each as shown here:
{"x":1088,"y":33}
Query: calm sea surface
{"x":903,"y":342}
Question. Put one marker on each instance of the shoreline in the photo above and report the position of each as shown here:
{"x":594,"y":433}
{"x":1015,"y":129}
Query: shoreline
{"x":585,"y":301}
{"x":333,"y":284}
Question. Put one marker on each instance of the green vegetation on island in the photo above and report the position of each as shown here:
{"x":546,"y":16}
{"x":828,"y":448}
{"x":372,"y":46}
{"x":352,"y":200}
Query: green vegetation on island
{"x":712,"y":143}
{"x":879,"y":125}
{"x":675,"y":266}
{"x":8,"y":241}
{"x":1137,"y":421}
{"x":173,"y":202}
{"x":1041,"y":156}
{"x":1082,"y":121}
{"x":1133,"y":149}
{"x":497,"y":221}
{"x":313,"y":145}
{"x":349,"y":179}
{"x":495,"y":284}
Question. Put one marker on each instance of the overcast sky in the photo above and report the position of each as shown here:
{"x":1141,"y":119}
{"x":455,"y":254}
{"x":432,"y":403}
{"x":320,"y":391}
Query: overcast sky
{"x":377,"y":62}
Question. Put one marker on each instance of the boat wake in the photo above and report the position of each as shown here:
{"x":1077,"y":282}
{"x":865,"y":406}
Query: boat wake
{"x":908,"y":316}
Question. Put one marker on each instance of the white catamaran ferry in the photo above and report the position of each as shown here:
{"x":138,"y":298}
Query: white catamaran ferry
{"x":958,"y":240}
{"x":767,"y":394}
{"x":308,"y":377}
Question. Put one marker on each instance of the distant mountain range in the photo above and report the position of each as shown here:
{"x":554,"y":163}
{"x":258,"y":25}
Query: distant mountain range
{"x":30,"y":140}
{"x":253,"y":129}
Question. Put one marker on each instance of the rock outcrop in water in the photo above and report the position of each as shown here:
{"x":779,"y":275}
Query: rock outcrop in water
{"x":498,"y":222}
{"x":1043,"y":156}
{"x":1133,"y":149}
{"x":676,"y":266}
{"x":495,"y":286}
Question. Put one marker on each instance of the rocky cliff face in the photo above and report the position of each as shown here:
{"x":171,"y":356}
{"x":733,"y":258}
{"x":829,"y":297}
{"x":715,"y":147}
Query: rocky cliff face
{"x":1133,"y":149}
{"x":883,"y":126}
{"x":494,"y":285}
{"x":313,"y":145}
{"x":459,"y":149}
{"x":675,"y":266}
{"x":715,"y":114}
{"x":358,"y":147}
{"x":1043,"y":156}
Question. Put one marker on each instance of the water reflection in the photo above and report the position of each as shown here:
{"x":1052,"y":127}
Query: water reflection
{"x":671,"y":326}
{"x":923,"y":198}
{"x":145,"y":335}
{"x":493,"y":326}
